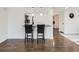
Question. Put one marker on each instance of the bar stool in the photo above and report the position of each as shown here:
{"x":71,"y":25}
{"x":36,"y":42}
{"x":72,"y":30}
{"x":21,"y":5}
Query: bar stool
{"x":29,"y":32}
{"x":40,"y":31}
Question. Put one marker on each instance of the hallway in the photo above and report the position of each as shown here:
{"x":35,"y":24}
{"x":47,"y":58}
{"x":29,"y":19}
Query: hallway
{"x":61,"y":44}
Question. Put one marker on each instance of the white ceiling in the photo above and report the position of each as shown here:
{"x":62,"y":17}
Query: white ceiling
{"x":36,"y":9}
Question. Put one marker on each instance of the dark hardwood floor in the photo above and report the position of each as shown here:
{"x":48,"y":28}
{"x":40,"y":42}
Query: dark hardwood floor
{"x":59,"y":44}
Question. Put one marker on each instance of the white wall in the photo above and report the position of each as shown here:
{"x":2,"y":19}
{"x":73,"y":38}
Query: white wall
{"x":3,"y":24}
{"x":16,"y":21}
{"x":67,"y":25}
{"x":71,"y":26}
{"x":61,"y":21}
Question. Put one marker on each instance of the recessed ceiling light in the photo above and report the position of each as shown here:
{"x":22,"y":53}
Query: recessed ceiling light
{"x":32,"y":14}
{"x":41,"y":14}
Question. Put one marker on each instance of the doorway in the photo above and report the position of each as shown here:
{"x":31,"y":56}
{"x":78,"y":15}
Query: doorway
{"x":56,"y":23}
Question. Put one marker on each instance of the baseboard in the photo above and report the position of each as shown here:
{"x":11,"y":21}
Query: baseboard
{"x":72,"y":39}
{"x":34,"y":39}
{"x":2,"y":41}
{"x":61,"y":32}
{"x":71,"y":33}
{"x":24,"y":38}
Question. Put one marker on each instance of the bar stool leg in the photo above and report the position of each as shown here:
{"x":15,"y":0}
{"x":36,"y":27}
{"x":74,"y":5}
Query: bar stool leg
{"x":25,"y":38}
{"x":43,"y":36}
{"x":32,"y":38}
{"x":37,"y":35}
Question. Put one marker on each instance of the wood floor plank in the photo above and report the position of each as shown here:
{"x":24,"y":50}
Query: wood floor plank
{"x":59,"y":44}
